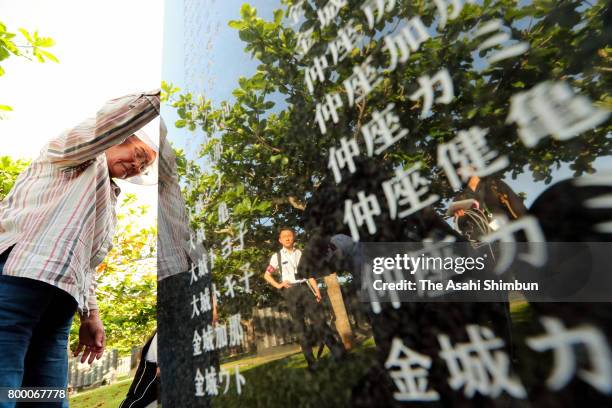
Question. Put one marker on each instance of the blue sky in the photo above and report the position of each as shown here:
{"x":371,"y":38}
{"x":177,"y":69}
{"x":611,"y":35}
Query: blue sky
{"x":227,"y":58}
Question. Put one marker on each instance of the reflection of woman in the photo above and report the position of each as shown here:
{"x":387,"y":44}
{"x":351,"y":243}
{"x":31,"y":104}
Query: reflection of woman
{"x":144,"y":389}
{"x":495,"y":202}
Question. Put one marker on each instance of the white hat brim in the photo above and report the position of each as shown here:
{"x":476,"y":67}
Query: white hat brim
{"x":150,"y":176}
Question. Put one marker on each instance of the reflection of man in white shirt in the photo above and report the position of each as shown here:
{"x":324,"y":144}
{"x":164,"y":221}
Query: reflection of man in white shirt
{"x":289,"y":257}
{"x":302,"y":296}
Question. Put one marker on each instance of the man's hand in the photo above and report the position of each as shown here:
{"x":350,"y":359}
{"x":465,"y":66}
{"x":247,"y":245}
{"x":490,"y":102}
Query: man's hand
{"x":459,"y":213}
{"x":318,"y":296}
{"x":91,"y":337}
{"x":283,"y":284}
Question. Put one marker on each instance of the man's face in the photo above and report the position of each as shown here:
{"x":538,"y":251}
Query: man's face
{"x":129,"y":158}
{"x":286,"y":239}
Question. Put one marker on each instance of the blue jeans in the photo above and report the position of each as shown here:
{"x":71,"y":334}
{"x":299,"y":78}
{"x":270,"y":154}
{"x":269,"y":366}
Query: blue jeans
{"x":35,"y":320}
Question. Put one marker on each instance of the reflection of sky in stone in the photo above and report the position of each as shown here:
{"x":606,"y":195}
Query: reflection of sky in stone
{"x":225,"y":61}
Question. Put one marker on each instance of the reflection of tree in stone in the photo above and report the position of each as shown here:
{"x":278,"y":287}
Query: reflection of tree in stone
{"x":274,"y":157}
{"x":287,"y":117}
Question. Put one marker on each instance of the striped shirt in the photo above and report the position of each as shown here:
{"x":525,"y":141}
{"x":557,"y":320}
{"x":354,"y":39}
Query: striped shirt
{"x":175,"y":254}
{"x":60,"y":214}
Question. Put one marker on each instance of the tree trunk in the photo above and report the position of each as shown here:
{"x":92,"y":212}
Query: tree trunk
{"x":342,"y":321}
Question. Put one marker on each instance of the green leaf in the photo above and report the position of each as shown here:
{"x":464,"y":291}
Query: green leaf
{"x":247,"y":35}
{"x":49,"y":56}
{"x":238,"y":92}
{"x":4,"y":54}
{"x":25,"y":33}
{"x":245,"y":11}
{"x":278,"y":16}
{"x":38,"y":56}
{"x":45,"y":42}
{"x":236,"y":24}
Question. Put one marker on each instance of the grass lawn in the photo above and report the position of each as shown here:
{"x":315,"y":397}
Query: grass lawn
{"x":329,"y":386}
{"x":109,"y":396}
{"x":286,"y":382}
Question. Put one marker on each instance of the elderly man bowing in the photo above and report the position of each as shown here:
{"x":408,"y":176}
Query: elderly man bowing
{"x":56,"y":226}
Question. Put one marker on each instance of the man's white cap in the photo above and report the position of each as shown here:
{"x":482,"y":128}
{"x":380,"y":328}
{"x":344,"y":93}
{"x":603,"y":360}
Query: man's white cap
{"x":149,"y":176}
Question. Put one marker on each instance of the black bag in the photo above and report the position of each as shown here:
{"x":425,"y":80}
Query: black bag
{"x":145,"y":386}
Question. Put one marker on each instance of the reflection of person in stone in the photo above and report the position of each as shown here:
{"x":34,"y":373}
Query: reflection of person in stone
{"x":495,"y":202}
{"x":56,"y":227}
{"x":302,"y":296}
{"x":176,"y":256}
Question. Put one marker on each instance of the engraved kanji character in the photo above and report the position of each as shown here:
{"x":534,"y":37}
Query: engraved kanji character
{"x":199,"y":383}
{"x":342,"y":157}
{"x":382,"y":131}
{"x":535,"y":239}
{"x":563,"y":342}
{"x":442,"y":6}
{"x":221,"y":336}
{"x":469,"y":150}
{"x":229,"y":285}
{"x":296,"y":11}
{"x":245,"y":277}
{"x":552,"y":108}
{"x":381,"y":7}
{"x":328,"y":13}
{"x":346,"y":40}
{"x":363,"y":80}
{"x":195,"y":309}
{"x":223,"y":213}
{"x":411,"y":376}
{"x":316,"y":72}
{"x":407,"y":187}
{"x":212,"y":387}
{"x":408,"y":39}
{"x":426,"y":90}
{"x":205,"y":305}
{"x":304,"y":43}
{"x":480,"y":365}
{"x":499,"y":38}
{"x":364,"y":211}
{"x":327,"y":110}
{"x":197,"y":343}
{"x":236,"y":332}
{"x":208,"y":339}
